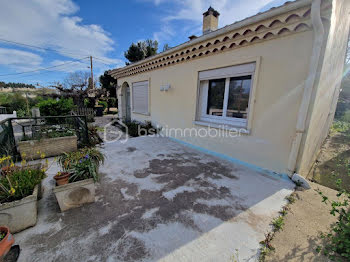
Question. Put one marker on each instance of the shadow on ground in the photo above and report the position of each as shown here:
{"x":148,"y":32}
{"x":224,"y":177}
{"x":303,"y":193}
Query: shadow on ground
{"x":333,"y":162}
{"x":159,"y":200}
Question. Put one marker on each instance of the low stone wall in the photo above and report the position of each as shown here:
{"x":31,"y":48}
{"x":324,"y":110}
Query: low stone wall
{"x":50,"y":147}
{"x":6,"y":116}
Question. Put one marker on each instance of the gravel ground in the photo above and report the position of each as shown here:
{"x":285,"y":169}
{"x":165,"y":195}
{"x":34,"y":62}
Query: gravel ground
{"x":107,"y":131}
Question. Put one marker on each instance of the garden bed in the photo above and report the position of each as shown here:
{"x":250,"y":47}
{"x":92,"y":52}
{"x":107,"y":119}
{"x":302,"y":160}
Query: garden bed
{"x":20,"y":214}
{"x":75,"y":186}
{"x":48,"y":146}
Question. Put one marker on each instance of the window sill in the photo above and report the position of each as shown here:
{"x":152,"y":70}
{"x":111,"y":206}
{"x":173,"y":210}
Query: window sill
{"x":139,"y":113}
{"x":240,"y":129}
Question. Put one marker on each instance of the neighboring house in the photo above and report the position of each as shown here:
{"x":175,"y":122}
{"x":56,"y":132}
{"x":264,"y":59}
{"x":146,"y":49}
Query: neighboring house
{"x":276,"y":76}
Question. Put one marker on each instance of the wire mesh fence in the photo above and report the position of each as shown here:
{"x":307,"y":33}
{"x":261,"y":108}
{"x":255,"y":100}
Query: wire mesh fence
{"x":14,"y":130}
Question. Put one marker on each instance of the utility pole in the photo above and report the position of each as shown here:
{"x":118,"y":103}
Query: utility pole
{"x":92,"y":73}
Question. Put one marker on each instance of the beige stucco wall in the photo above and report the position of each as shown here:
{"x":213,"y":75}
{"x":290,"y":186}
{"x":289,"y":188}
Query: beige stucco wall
{"x":282,"y":71}
{"x":326,"y":91}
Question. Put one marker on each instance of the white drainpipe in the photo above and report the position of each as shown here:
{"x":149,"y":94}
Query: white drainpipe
{"x":309,"y":83}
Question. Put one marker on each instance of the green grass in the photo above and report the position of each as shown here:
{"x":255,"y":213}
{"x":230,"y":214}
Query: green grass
{"x":284,"y":211}
{"x":278,"y":223}
{"x":100,"y":129}
{"x":340,"y":127}
{"x":291,"y":199}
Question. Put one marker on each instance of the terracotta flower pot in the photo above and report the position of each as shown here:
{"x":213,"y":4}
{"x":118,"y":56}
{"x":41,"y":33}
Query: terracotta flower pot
{"x":7,"y":169}
{"x":62,"y":178}
{"x":6,"y":242}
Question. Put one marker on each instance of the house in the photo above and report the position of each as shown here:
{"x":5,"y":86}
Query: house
{"x":275,"y":77}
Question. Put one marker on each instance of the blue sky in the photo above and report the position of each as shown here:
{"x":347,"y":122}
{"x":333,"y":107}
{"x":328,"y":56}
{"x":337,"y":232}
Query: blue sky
{"x":104,"y":29}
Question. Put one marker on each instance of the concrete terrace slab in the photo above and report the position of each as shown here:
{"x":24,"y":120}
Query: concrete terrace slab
{"x":160,"y":200}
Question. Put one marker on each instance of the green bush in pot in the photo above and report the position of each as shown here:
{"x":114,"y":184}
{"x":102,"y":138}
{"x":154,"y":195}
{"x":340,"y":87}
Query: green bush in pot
{"x":19,"y":183}
{"x":82,"y":164}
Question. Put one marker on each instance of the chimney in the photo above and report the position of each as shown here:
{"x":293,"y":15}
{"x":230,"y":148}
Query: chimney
{"x":210,"y":20}
{"x":192,"y":37}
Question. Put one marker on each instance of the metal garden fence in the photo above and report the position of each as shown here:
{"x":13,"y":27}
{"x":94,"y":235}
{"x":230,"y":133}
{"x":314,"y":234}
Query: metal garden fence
{"x":13,"y":130}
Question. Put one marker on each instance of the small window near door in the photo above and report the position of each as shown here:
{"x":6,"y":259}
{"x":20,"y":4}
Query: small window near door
{"x":140,"y":97}
{"x":224,"y":95}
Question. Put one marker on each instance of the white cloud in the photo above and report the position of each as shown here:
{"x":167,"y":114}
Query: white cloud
{"x":166,"y":33}
{"x":192,"y":11}
{"x":52,"y":24}
{"x":19,"y":59}
{"x":230,"y":11}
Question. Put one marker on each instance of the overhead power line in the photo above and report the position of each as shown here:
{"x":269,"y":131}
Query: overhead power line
{"x":50,"y":49}
{"x":105,"y":61}
{"x":39,"y":47}
{"x":46,"y":68}
{"x":42,"y":73}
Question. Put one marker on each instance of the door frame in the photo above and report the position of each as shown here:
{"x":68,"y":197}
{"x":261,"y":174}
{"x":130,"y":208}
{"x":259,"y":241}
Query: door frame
{"x":126,"y":101}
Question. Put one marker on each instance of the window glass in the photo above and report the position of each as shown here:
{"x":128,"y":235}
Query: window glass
{"x":239,"y":89}
{"x":216,"y":93}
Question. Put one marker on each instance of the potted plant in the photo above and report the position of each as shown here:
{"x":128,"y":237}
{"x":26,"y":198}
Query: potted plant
{"x":83,"y":168}
{"x":6,"y":240}
{"x":62,"y":178}
{"x":19,"y":190}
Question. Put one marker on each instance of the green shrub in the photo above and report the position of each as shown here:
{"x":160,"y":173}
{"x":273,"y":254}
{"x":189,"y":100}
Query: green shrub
{"x":21,"y":113}
{"x":112,"y":102}
{"x":53,"y":107}
{"x":19,"y":102}
{"x":83,"y":164}
{"x":340,"y":126}
{"x":136,"y":128}
{"x":14,"y":102}
{"x":346,"y":116}
{"x":19,"y":183}
{"x":94,"y":137}
{"x":338,"y":241}
{"x":103,"y":103}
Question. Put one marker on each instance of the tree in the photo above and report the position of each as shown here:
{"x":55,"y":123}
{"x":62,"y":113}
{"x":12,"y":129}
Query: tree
{"x":166,"y":47}
{"x":78,"y":80}
{"x":76,"y":86}
{"x":150,"y":47}
{"x":16,"y":85}
{"x":135,"y":53}
{"x":108,"y":83}
{"x":141,"y":50}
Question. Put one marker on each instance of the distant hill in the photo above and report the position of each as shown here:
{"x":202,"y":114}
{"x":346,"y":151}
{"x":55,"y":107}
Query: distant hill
{"x":15,"y":85}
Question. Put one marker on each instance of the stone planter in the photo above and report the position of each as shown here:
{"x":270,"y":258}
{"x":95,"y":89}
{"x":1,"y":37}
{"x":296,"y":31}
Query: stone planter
{"x":75,"y":194}
{"x":48,"y":146}
{"x":20,"y":214}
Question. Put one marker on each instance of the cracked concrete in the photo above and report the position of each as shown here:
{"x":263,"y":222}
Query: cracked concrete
{"x":159,"y":200}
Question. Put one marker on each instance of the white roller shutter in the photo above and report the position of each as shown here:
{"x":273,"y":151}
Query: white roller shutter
{"x":140,"y":97}
{"x":227,"y":71}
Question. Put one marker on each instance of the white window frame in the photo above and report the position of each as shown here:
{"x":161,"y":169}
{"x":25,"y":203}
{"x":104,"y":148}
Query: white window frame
{"x":237,"y":70}
{"x":133,"y":97}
